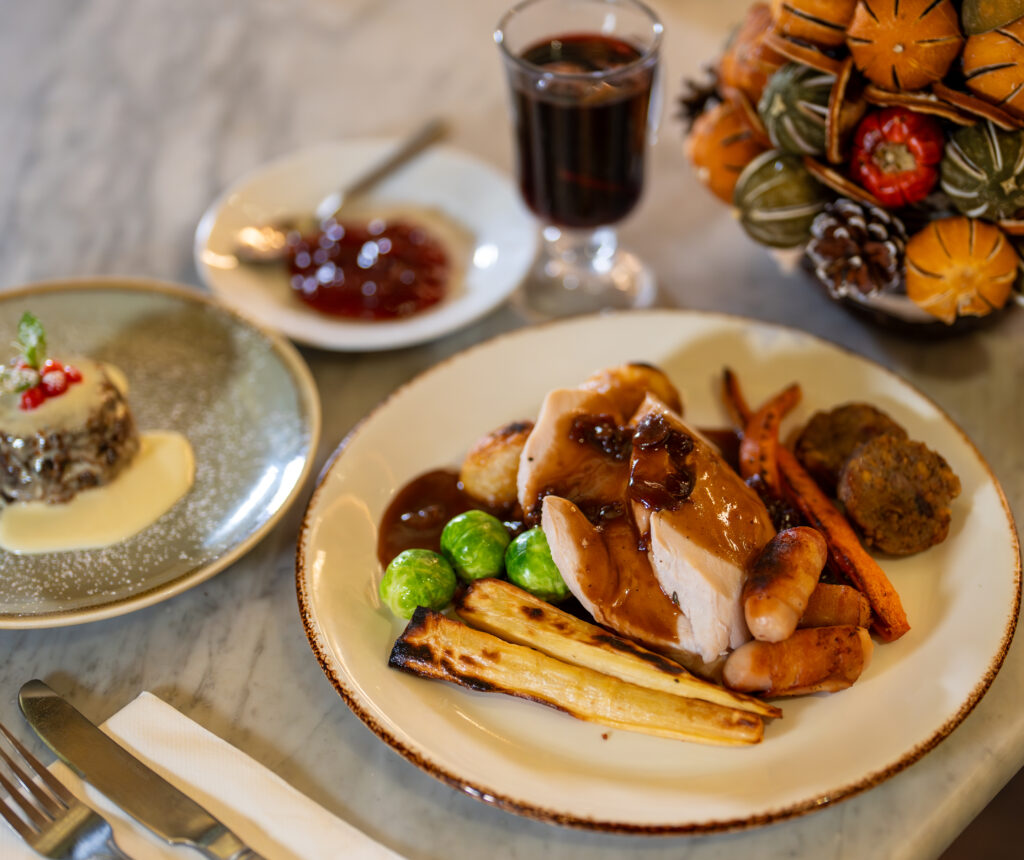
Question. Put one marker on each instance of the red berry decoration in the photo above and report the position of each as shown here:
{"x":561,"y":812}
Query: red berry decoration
{"x":32,"y":398}
{"x":32,"y":375}
{"x":896,"y":155}
{"x":54,"y":381}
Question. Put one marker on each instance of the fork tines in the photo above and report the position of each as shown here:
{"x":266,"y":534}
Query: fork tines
{"x":47,"y":804}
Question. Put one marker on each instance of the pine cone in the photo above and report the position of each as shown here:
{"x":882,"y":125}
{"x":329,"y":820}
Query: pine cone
{"x":697,"y":96}
{"x":857,"y":247}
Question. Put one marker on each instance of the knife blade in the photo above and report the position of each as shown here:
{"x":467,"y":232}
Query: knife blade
{"x":133,"y":786}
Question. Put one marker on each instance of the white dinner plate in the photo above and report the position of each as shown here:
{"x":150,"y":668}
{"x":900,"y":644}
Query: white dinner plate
{"x":242,"y":396}
{"x":501,"y":239}
{"x":961,"y":597}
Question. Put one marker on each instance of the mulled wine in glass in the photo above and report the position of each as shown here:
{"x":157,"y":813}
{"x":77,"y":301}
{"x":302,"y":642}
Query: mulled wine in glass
{"x":582,"y":74}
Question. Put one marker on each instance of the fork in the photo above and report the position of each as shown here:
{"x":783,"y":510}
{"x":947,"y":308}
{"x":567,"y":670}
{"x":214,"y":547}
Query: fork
{"x":53,"y":822}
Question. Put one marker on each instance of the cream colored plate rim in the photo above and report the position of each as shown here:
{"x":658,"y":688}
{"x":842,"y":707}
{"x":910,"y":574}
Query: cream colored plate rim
{"x":543,"y":764}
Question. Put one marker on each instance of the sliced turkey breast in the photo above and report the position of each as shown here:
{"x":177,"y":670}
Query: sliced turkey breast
{"x":612,"y":577}
{"x":572,"y":452}
{"x":651,"y":529}
{"x":705,"y":526}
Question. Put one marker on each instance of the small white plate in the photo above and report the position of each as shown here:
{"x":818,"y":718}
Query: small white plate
{"x":503,"y":239}
{"x":961,"y":597}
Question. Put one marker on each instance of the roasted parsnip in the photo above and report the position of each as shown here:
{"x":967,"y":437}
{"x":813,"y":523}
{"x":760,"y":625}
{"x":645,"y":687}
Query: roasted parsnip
{"x":435,"y":646}
{"x":517,"y":616}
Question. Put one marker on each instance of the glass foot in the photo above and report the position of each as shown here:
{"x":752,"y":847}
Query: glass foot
{"x":581,"y":273}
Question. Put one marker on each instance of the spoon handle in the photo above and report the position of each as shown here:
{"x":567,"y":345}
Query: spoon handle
{"x":431,"y":132}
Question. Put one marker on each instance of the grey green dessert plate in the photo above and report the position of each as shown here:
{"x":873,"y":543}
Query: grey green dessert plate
{"x":242,"y":395}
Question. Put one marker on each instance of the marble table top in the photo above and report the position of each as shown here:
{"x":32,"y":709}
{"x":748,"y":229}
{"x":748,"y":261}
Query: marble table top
{"x":120,"y":121}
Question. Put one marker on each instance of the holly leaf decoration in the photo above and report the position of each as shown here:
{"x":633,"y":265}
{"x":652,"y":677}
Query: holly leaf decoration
{"x":32,"y":340}
{"x":14,"y":380}
{"x":24,"y":373}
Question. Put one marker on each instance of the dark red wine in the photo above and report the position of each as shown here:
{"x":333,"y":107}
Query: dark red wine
{"x":581,"y":142}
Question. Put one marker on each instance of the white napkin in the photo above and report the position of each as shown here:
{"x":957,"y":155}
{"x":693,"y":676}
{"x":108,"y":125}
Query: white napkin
{"x":264,"y":811}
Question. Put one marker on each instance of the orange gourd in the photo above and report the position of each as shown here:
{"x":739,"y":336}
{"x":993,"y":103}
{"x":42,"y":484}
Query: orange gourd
{"x":820,"y":22}
{"x":994,"y":66}
{"x":904,"y":44}
{"x":960,"y":267}
{"x":720,"y":145}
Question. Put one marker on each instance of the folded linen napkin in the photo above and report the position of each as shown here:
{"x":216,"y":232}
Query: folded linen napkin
{"x":268,"y":814}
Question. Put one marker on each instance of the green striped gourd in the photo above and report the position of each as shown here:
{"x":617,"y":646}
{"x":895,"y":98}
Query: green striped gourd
{"x":778,"y":198}
{"x":983,"y":172}
{"x":794,"y":108}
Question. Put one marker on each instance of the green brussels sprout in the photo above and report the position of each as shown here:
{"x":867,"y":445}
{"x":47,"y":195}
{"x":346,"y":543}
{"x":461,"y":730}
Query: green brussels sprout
{"x":417,"y":577}
{"x":529,"y":565}
{"x":474,"y":543}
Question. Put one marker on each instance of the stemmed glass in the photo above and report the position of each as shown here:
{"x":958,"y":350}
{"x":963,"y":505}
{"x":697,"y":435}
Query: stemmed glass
{"x":581,"y":74}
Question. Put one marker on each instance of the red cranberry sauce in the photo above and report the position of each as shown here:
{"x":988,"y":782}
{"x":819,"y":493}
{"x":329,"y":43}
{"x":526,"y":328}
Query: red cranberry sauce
{"x":379,"y":270}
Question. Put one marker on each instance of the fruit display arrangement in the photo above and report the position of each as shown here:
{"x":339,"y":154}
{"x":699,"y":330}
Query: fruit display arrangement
{"x":881,"y":139}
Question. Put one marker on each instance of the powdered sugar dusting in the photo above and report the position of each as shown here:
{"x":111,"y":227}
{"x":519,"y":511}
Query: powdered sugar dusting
{"x":193,"y":368}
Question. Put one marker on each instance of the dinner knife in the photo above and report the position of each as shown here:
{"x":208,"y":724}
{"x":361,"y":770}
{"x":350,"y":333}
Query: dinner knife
{"x":133,"y":786}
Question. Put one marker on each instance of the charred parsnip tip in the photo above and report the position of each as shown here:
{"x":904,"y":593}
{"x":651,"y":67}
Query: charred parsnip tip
{"x":434,"y":646}
{"x":834,"y":605}
{"x":516,"y":616}
{"x":812,"y":660}
{"x":781,"y":582}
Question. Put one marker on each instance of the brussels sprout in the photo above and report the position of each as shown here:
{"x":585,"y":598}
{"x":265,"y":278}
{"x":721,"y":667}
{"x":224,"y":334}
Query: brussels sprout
{"x":529,"y":565}
{"x":417,"y":577}
{"x":474,"y":543}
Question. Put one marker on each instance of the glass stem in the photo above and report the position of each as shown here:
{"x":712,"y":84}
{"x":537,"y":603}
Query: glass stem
{"x":591,"y":250}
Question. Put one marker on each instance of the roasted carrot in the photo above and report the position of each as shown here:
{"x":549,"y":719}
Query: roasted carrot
{"x":844,"y":548}
{"x":759,"y":449}
{"x":735,"y":403}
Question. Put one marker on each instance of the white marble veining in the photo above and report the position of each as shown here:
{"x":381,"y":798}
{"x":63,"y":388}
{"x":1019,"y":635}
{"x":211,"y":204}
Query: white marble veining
{"x":121,"y":120}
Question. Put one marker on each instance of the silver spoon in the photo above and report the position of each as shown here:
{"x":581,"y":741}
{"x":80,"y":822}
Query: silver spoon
{"x":267,"y":243}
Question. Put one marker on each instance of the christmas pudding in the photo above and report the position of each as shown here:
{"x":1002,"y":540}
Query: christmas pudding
{"x":63,"y":427}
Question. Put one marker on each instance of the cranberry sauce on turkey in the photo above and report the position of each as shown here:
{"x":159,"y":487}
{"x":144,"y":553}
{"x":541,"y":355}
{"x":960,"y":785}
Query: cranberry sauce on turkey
{"x":650,"y":528}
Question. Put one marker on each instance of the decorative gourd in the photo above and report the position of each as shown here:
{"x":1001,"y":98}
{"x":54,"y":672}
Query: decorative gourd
{"x":820,"y":22}
{"x":994,"y":66}
{"x":904,"y":44}
{"x":794,"y":108}
{"x":720,"y":145}
{"x":960,"y":267}
{"x":896,"y":155}
{"x":983,"y":172}
{"x":979,"y":16}
{"x":748,"y":62}
{"x":778,"y":198}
